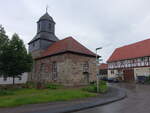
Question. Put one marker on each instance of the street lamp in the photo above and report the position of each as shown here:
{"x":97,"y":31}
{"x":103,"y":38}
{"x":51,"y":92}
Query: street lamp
{"x":98,"y":48}
{"x":97,"y":69}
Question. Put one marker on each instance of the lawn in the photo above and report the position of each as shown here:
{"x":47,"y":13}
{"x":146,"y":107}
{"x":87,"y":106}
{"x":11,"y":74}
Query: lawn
{"x":18,"y":97}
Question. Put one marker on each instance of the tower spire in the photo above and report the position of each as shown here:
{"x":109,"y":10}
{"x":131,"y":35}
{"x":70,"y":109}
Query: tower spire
{"x":46,"y":8}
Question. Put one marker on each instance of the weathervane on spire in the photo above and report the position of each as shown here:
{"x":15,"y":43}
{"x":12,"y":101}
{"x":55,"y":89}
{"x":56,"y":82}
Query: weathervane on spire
{"x":46,"y":8}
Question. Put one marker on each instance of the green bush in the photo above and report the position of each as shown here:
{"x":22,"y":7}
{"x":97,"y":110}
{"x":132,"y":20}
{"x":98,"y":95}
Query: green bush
{"x":30,"y":85}
{"x":53,"y":86}
{"x":147,"y":79}
{"x":5,"y":92}
{"x":103,"y":86}
{"x":42,"y":85}
{"x":90,"y":88}
{"x":93,"y":87}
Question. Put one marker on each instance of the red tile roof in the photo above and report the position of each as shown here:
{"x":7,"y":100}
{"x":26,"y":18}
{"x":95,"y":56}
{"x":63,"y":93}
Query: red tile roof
{"x":68,"y":44}
{"x":135,"y":50}
{"x":103,"y":66}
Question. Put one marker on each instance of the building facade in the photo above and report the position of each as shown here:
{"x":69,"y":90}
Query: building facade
{"x":67,"y":69}
{"x":18,"y":80}
{"x":103,"y":70}
{"x":63,"y":61}
{"x":130,"y":61}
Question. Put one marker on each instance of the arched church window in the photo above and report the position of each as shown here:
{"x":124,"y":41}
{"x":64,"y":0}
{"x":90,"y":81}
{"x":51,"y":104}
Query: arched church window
{"x":85,"y":67}
{"x":54,"y":70}
{"x":42,"y":67}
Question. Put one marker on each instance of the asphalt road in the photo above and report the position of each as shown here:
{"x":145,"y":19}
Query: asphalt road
{"x":137,"y":101}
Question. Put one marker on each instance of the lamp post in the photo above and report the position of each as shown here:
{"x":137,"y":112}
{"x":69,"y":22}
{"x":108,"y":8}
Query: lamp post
{"x":97,"y":81}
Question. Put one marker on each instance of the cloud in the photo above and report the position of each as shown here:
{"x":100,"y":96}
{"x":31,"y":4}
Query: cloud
{"x":94,"y":23}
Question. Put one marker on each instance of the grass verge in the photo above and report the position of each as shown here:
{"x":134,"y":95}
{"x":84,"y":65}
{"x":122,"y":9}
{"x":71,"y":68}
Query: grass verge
{"x":33,"y":96}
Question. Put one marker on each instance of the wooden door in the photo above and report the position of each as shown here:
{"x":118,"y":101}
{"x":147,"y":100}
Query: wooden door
{"x":128,"y":74}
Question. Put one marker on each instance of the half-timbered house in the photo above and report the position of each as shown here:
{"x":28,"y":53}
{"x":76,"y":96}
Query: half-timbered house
{"x":130,"y":61}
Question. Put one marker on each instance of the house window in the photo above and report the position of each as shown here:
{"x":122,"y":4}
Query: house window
{"x":20,"y":78}
{"x":85,"y":67}
{"x":146,"y":59}
{"x":142,"y":59}
{"x":54,"y":70}
{"x":5,"y":78}
{"x":112,"y":72}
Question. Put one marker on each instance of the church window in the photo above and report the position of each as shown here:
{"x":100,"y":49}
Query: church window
{"x":41,"y":67}
{"x":54,"y":70}
{"x":85,"y":67}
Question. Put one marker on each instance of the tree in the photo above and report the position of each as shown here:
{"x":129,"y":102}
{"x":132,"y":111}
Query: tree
{"x":15,"y":59}
{"x":2,"y":31}
{"x":3,"y":43}
{"x":3,"y":37}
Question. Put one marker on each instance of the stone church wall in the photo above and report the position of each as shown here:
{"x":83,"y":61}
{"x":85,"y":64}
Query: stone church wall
{"x":69,"y":70}
{"x":76,"y":74}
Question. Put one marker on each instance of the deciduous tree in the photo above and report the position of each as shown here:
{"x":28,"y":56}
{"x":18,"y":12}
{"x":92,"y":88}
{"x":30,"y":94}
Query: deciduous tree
{"x":14,"y":59}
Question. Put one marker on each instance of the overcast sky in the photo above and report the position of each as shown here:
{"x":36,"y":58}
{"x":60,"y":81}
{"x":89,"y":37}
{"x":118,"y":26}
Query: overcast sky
{"x":94,"y":23}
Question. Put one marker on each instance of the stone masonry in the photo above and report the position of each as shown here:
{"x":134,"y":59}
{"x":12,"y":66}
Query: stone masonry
{"x":70,"y":69}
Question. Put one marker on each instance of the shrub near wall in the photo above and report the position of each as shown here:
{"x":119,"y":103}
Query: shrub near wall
{"x":103,"y":88}
{"x":147,"y":80}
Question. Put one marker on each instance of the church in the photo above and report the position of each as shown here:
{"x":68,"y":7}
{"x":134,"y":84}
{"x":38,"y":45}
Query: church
{"x":65,"y":61}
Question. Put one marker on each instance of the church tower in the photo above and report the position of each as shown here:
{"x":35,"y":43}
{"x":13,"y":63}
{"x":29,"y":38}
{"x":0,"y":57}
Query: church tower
{"x":45,"y":35}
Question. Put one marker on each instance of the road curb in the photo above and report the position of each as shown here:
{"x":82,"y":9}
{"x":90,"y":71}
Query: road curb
{"x":118,"y":94}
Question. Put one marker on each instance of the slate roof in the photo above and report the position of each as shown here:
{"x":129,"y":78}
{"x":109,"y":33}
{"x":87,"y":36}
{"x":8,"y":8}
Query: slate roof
{"x":44,"y":35}
{"x":103,"y":66}
{"x":46,"y":16}
{"x":68,"y":44}
{"x":135,"y":50}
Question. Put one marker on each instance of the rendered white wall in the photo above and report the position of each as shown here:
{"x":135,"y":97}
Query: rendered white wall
{"x":142,"y":71}
{"x":112,"y":75}
{"x":17,"y":81}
